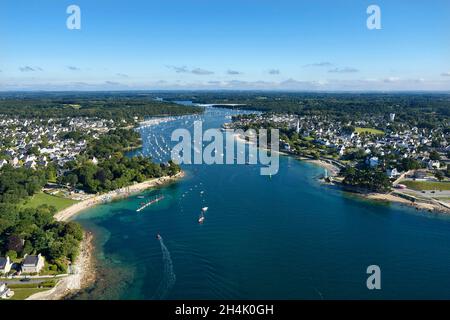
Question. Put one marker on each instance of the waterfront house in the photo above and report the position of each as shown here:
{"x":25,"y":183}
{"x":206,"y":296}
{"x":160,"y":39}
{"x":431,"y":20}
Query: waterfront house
{"x":5,"y":265}
{"x":392,"y":173}
{"x":433,"y":164}
{"x":5,"y":292}
{"x":419,"y":175}
{"x":286,"y":146}
{"x":32,"y":264}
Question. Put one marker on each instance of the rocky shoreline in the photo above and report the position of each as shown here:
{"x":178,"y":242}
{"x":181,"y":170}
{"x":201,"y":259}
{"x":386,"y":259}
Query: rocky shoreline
{"x":82,"y":276}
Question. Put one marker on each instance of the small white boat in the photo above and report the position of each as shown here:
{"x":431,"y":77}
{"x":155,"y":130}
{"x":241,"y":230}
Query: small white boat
{"x":201,"y":219}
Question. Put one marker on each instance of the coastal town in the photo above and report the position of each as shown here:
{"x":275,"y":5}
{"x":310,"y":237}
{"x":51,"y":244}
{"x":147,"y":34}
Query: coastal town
{"x":223,"y":159}
{"x":415,"y":161}
{"x":37,"y":142}
{"x":51,"y":168}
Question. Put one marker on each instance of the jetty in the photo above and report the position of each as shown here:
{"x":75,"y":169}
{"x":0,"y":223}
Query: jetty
{"x":149,"y":203}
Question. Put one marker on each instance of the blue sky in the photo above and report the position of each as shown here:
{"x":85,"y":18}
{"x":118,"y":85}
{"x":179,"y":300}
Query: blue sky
{"x":225,"y":44}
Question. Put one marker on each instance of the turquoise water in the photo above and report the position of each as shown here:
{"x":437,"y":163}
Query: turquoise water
{"x":285,"y":237}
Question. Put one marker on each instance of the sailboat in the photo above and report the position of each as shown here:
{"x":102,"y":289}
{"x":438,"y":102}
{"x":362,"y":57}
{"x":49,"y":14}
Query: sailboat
{"x":201,"y":219}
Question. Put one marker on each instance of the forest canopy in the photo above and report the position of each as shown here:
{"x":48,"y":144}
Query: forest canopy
{"x":120,"y":108}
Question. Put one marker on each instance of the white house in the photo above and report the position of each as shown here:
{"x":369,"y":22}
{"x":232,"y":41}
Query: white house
{"x":5,"y":265}
{"x":31,"y":164}
{"x":32,"y":264}
{"x":5,"y":292}
{"x":392,"y":117}
{"x":392,"y":173}
{"x":286,"y":146}
{"x":433,"y":164}
{"x":14,"y":162}
{"x":30,"y":158}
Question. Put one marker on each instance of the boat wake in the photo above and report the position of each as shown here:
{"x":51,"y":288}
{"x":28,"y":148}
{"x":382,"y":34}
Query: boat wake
{"x":169,"y":277}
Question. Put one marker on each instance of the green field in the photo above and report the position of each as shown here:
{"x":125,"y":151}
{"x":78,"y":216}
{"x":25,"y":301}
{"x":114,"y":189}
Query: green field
{"x":23,"y":293}
{"x":426,"y":185}
{"x":42,"y":198}
{"x":369,"y":130}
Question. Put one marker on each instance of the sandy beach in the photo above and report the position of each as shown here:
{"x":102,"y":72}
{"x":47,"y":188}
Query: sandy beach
{"x":75,"y":209}
{"x":332,"y":169}
{"x":241,"y":139}
{"x":420,"y":205}
{"x":83,"y":270}
{"x":388,"y":197}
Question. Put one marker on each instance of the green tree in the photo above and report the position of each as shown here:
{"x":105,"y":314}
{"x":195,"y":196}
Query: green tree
{"x":439,"y":175}
{"x":434,"y":155}
{"x":11,"y":254}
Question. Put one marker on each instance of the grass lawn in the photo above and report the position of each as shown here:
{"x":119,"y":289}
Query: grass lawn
{"x":426,"y":185}
{"x":23,"y":293}
{"x":42,"y":198}
{"x":369,"y":130}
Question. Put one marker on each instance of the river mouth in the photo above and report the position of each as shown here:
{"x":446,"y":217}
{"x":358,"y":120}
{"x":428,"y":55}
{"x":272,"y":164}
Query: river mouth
{"x":284,"y":237}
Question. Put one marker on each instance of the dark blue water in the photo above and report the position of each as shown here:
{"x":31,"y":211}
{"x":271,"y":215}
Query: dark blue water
{"x":285,"y":237}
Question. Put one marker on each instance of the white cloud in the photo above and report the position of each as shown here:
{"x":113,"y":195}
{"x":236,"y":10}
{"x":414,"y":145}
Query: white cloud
{"x":202,"y":72}
{"x":233,"y":72}
{"x":184,"y":69}
{"x":391,"y":79}
{"x":319,"y":64}
{"x":388,"y":84}
{"x":27,"y":69}
{"x":343,"y":70}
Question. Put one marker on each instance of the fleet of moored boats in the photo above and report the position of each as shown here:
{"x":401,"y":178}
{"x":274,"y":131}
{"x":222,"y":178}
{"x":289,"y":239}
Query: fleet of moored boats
{"x":159,"y":198}
{"x":159,"y":149}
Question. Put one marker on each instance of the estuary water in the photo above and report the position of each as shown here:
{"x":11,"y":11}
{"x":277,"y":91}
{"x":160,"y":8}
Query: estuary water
{"x":284,"y":237}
